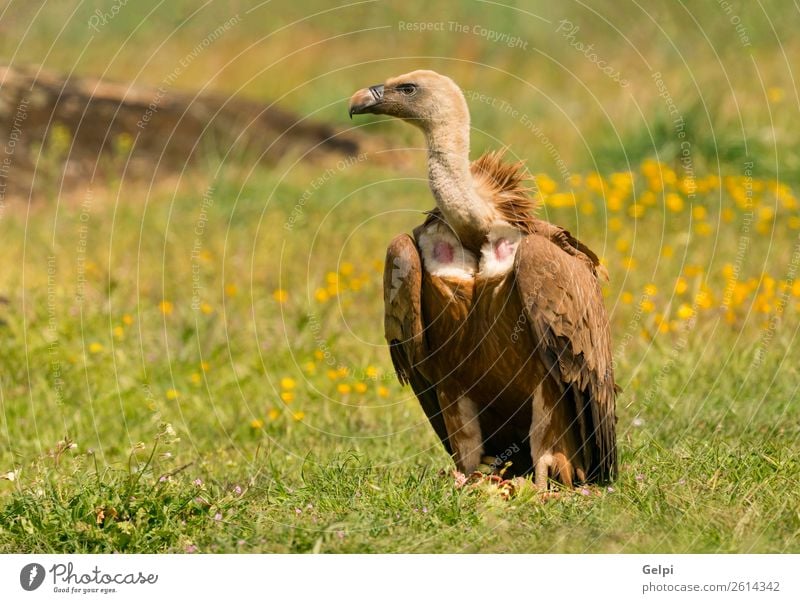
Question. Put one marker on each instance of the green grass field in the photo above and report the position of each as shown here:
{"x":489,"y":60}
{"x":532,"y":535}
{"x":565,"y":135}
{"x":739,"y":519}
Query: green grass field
{"x":199,"y":365}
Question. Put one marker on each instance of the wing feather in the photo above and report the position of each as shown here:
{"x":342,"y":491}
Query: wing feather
{"x":404,"y":329}
{"x":565,"y":311}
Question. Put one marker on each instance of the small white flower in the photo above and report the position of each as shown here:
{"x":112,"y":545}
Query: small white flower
{"x":10,"y":475}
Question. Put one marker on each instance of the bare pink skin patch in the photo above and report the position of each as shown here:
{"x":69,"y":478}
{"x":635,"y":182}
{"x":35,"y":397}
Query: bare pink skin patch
{"x":443,"y":252}
{"x":503,"y":249}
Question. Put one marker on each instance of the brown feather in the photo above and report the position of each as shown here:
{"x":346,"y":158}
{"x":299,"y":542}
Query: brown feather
{"x":403,"y":326}
{"x":503,"y":185}
{"x":564,"y":307}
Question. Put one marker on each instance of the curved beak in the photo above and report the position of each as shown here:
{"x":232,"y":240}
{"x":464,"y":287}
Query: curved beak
{"x":366,"y":100}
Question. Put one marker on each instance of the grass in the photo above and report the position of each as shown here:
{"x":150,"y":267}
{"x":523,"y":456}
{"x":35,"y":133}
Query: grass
{"x":180,"y":376}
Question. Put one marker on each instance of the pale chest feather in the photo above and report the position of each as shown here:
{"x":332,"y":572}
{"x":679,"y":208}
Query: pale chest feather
{"x":444,"y":256}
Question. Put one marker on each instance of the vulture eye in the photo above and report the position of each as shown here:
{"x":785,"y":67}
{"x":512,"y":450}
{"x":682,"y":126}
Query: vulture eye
{"x":407,"y":89}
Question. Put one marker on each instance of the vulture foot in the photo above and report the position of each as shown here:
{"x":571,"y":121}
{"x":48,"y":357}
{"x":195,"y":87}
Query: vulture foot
{"x":555,"y":466}
{"x":555,"y":445}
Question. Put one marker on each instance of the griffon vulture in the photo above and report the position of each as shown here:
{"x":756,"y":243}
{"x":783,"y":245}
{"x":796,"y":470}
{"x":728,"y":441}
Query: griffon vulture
{"x":495,"y":317}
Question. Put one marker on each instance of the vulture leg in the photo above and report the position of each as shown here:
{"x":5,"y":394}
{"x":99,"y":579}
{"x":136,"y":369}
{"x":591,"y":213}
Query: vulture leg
{"x":556,"y":451}
{"x":463,"y":430}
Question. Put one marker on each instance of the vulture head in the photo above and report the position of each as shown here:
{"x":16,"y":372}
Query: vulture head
{"x":423,"y":98}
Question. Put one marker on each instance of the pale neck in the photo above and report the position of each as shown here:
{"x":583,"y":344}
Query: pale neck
{"x":450,"y":180}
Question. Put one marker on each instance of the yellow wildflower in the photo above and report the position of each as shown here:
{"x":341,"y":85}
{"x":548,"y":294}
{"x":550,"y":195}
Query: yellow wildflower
{"x":622,"y":180}
{"x":360,"y":387}
{"x":674,"y":202}
{"x":280,"y":295}
{"x":346,"y":268}
{"x":299,"y":415}
{"x":704,"y":299}
{"x":636,"y":210}
{"x":561,"y":200}
{"x":127,"y":319}
{"x":166,"y":307}
{"x":546,"y":184}
{"x":775,"y":94}
{"x":288,"y":383}
{"x":287,"y":397}
{"x":273,"y":414}
{"x":685,"y":312}
{"x":231,"y":290}
{"x":703,"y":229}
{"x":595,"y":182}
{"x":614,"y":202}
{"x":256,"y":424}
{"x":343,"y":388}
{"x":321,"y":295}
{"x":95,"y":348}
{"x":383,"y":391}
{"x":728,"y":270}
{"x":206,"y":308}
{"x":647,"y":198}
{"x":173,"y":394}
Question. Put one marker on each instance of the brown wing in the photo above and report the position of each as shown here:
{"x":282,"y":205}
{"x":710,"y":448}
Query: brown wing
{"x":564,"y":306}
{"x":564,"y":239}
{"x":402,"y":291}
